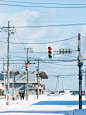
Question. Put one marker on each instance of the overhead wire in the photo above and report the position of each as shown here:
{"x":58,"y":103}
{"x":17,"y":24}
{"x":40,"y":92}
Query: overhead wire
{"x":84,"y":6}
{"x":54,"y":3}
{"x":45,"y":42}
{"x":42,"y":26}
{"x":50,"y":66}
{"x":66,"y":42}
{"x":19,"y":38}
{"x":17,"y":44}
{"x":39,"y":43}
{"x":67,"y":60}
{"x":45,"y":3}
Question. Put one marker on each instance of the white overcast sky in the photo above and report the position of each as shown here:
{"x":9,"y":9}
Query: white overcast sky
{"x":39,"y":13}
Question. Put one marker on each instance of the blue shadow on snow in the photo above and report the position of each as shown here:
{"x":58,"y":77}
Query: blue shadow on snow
{"x":47,"y":112}
{"x":59,"y":103}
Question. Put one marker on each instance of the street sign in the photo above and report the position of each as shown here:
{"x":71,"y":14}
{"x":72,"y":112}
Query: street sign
{"x":7,"y":96}
{"x":7,"y":91}
{"x":26,"y":85}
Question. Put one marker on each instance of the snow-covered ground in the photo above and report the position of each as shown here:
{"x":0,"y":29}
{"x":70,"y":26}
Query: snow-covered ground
{"x":45,"y":105}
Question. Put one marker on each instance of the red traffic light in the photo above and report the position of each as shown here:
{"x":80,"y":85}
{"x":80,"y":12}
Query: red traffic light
{"x":49,"y":48}
{"x":26,"y":64}
{"x":50,"y":52}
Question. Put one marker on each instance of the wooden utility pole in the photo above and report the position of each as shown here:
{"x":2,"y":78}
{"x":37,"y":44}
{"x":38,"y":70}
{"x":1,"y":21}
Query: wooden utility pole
{"x":4,"y":77}
{"x":38,"y":80}
{"x":85,"y":84}
{"x":80,"y":72}
{"x":8,"y":74}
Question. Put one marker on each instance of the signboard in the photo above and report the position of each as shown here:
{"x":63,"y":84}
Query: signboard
{"x":7,"y":97}
{"x":26,"y":85}
{"x":7,"y":91}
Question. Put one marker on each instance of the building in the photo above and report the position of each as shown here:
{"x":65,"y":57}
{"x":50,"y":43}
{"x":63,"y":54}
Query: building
{"x":1,"y":88}
{"x":18,"y":81}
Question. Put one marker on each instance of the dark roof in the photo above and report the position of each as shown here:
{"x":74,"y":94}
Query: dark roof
{"x":43,"y":75}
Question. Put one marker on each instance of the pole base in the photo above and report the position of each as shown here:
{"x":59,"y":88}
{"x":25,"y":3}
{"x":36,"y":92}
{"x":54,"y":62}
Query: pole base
{"x":37,"y":96}
{"x":7,"y":103}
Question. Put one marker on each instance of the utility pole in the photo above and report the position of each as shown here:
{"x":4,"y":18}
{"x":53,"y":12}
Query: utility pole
{"x":38,"y":76}
{"x":56,"y":84}
{"x":28,"y":50}
{"x":27,"y":76}
{"x":85,"y":84}
{"x":13,"y":83}
{"x":80,"y":72}
{"x":4,"y":77}
{"x":38,"y":80}
{"x":8,"y":74}
{"x":62,"y":84}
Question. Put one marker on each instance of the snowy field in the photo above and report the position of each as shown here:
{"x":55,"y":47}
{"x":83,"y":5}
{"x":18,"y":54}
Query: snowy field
{"x":45,"y":105}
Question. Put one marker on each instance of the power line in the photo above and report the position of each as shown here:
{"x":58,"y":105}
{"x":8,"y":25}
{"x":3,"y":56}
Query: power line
{"x":40,"y":26}
{"x":18,"y":37}
{"x":45,"y":3}
{"x":45,"y":42}
{"x":44,"y":6}
{"x":18,"y":45}
{"x":41,"y":43}
{"x":42,"y":3}
{"x":64,"y":75}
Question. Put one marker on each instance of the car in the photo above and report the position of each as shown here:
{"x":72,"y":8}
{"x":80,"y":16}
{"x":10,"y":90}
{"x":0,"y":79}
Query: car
{"x":52,"y":94}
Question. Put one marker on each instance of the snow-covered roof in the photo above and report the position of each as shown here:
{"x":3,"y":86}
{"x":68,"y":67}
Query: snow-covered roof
{"x":43,"y":75}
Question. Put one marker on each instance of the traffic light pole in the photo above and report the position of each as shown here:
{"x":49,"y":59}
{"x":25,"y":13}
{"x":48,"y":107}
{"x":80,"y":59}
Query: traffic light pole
{"x":27,"y":77}
{"x":28,"y":50}
{"x":80,"y":72}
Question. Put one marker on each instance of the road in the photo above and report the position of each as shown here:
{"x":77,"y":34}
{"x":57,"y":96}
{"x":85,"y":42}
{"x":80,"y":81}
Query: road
{"x":45,"y":105}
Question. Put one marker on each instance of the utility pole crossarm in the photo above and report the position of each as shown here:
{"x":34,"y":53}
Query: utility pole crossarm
{"x":31,"y":63}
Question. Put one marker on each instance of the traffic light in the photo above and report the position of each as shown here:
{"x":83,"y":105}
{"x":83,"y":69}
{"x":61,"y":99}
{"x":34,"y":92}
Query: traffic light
{"x":65,"y":51}
{"x":50,"y":52}
{"x":26,"y":66}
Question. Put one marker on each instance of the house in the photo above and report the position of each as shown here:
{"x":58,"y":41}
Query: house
{"x":1,"y":88}
{"x":18,"y":81}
